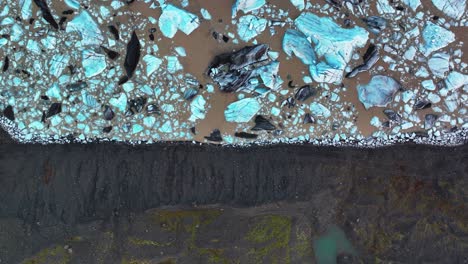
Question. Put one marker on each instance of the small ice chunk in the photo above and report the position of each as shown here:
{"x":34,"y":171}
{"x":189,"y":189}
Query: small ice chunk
{"x":413,"y":4}
{"x":206,"y":15}
{"x":246,"y":6}
{"x":428,"y":85}
{"x":54,"y":92}
{"x":434,"y":38}
{"x":73,"y":4}
{"x":456,"y":80}
{"x":57,"y":64}
{"x":295,"y":42}
{"x":375,"y":121}
{"x":181,"y":51}
{"x":452,"y":8}
{"x":152,"y":64}
{"x":378,"y":92}
{"x":173,"y":19}
{"x":119,"y":103}
{"x":88,"y":29}
{"x":384,"y":7}
{"x":197,"y":108}
{"x":93,"y":63}
{"x":439,"y":64}
{"x":299,"y":4}
{"x":250,"y":26}
{"x":410,"y":53}
{"x":242,"y":111}
{"x":319,"y":110}
{"x":173,"y":64}
{"x":26,"y":8}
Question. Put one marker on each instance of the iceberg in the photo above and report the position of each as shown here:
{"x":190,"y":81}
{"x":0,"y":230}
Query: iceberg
{"x":246,"y":6}
{"x":152,"y":64}
{"x":452,"y":8}
{"x":26,"y":8}
{"x":332,"y":43}
{"x":378,"y":92}
{"x":206,"y":15}
{"x":93,"y":63}
{"x":456,"y":80}
{"x":384,"y":7}
{"x":434,"y":38}
{"x":173,"y":64}
{"x":57,"y":64}
{"x":88,"y":29}
{"x":242,"y":111}
{"x":439,"y":64}
{"x":119,"y":103}
{"x":299,"y":4}
{"x":250,"y":26}
{"x":319,"y":110}
{"x":295,"y":42}
{"x":269,"y":75}
{"x":173,"y":19}
{"x":413,"y":4}
{"x":73,"y":4}
{"x":197,"y":108}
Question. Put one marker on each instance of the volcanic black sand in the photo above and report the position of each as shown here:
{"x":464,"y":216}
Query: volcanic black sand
{"x":185,"y":203}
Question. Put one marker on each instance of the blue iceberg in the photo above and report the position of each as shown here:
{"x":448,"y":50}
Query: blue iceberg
{"x":332,"y":43}
{"x":242,"y":111}
{"x":119,"y":103}
{"x":173,"y":19}
{"x":319,"y":110}
{"x":26,"y":8}
{"x":378,"y":92}
{"x":439,"y":64}
{"x":434,"y":38}
{"x":57,"y":64}
{"x":246,"y":6}
{"x":299,"y":4}
{"x":269,"y":75}
{"x":250,"y":26}
{"x":88,"y":29}
{"x":413,"y":4}
{"x":197,"y":108}
{"x":456,"y":80}
{"x":295,"y":42}
{"x":152,"y":64}
{"x":452,"y":8}
{"x":93,"y":63}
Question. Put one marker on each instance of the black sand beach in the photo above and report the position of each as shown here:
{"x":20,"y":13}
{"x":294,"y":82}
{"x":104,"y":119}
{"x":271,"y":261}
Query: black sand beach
{"x":52,"y":193}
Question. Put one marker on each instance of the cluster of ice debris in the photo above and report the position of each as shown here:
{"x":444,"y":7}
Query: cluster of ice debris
{"x":72,"y":71}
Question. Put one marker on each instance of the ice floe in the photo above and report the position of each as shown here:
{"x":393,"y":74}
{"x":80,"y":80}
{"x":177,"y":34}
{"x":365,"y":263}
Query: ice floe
{"x":378,"y":92}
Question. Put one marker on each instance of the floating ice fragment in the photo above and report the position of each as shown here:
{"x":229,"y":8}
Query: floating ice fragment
{"x":54,"y":92}
{"x":197,"y":108}
{"x":299,"y":4}
{"x":152,"y":64}
{"x":413,"y":4}
{"x":93,"y":63}
{"x":181,"y":51}
{"x":57,"y":64}
{"x":269,"y":75}
{"x":173,"y":64}
{"x":434,"y":38}
{"x":375,"y":24}
{"x":73,"y":4}
{"x":26,"y":8}
{"x":295,"y":42}
{"x":384,"y":7}
{"x":439,"y":64}
{"x":333,"y":43}
{"x":174,"y":18}
{"x":89,"y":100}
{"x":250,"y":26}
{"x":378,"y":92}
{"x":246,"y":6}
{"x":242,"y":111}
{"x":452,"y":8}
{"x":206,"y":15}
{"x":87,"y":28}
{"x":456,"y":80}
{"x":120,"y":103}
{"x":319,"y":110}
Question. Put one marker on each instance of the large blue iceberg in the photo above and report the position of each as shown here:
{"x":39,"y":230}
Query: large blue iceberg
{"x":378,"y":92}
{"x":246,"y":6}
{"x":434,"y":38}
{"x":250,"y":26}
{"x":88,"y":29}
{"x":333,"y":44}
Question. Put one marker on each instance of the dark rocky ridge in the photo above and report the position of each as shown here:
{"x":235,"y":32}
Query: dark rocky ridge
{"x":49,"y":192}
